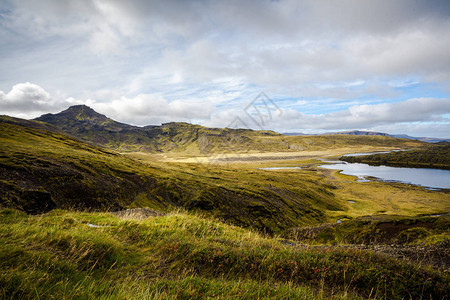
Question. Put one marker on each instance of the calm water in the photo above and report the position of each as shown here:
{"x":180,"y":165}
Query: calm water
{"x":434,"y":178}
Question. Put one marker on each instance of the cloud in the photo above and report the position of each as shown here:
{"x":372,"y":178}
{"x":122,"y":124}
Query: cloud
{"x":281,"y":43}
{"x":369,"y":116}
{"x":145,"y":109}
{"x":439,"y":130}
{"x":417,"y":111}
{"x":26,"y":99}
{"x":29,"y":100}
{"x":330,"y":56}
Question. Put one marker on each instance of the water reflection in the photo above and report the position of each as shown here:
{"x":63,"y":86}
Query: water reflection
{"x":434,"y":178}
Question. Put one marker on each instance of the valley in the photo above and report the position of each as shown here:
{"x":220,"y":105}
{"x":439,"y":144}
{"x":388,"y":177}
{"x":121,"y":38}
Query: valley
{"x":225,"y":225}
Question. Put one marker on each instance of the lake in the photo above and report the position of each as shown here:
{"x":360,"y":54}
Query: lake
{"x":431,"y":178}
{"x":434,"y":178}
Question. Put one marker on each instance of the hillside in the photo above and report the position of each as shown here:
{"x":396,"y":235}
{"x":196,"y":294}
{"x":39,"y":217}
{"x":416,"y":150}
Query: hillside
{"x":90,"y":126}
{"x":41,"y":170}
{"x":62,"y":255}
{"x":86,"y":124}
{"x":77,"y":242}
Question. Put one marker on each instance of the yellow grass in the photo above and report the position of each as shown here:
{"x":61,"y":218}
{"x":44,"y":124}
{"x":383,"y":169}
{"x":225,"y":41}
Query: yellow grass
{"x":369,"y":197}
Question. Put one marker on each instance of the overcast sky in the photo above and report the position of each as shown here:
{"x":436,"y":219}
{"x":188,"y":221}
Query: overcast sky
{"x":327,"y":65}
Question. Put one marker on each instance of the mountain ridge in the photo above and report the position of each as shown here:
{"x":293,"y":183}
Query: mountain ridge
{"x":82,"y":114}
{"x":373,"y":133}
{"x":41,"y":170}
{"x":89,"y":126}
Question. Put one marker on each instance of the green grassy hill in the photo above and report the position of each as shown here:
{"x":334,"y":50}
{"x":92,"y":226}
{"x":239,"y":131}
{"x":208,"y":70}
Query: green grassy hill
{"x":42,"y":169}
{"x":70,"y":246}
{"x":90,"y":126}
{"x":183,"y":256}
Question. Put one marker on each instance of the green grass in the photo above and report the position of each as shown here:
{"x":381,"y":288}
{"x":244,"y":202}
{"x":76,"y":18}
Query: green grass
{"x":86,"y":124}
{"x":187,"y":256}
{"x":38,"y":166}
{"x":381,"y":229}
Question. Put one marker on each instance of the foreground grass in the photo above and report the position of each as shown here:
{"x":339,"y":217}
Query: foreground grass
{"x":184,"y":256}
{"x":379,"y":229}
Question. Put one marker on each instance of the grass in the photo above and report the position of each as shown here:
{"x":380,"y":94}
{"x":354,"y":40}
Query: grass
{"x":189,"y":139}
{"x":380,"y":229}
{"x":187,"y":256}
{"x":374,"y":198}
{"x":40,"y":166}
{"x":198,"y":254}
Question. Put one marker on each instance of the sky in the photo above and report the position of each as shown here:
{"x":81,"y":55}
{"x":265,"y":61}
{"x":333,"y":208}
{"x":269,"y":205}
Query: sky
{"x":288,"y":65}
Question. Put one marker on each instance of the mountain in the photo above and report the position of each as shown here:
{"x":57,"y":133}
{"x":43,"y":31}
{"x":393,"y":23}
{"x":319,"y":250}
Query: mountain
{"x":374,"y":133}
{"x":353,"y":132}
{"x":86,"y":124}
{"x":359,"y":132}
{"x":422,"y":139}
{"x":89,"y":126}
{"x":41,"y":169}
{"x":79,"y":118}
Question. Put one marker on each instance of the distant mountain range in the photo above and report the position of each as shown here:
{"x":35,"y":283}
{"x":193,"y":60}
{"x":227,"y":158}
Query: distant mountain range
{"x":87,"y":125}
{"x":374,"y":133}
{"x":43,"y":168}
{"x":61,"y":161}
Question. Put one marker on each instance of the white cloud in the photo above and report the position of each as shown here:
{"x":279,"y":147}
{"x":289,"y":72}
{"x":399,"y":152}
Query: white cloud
{"x":417,"y":111}
{"x":25,"y":98}
{"x":148,"y":109}
{"x":280,"y":43}
{"x":188,"y":57}
{"x":423,"y":114}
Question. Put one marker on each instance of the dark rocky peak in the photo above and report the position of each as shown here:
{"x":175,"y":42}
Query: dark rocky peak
{"x":80,"y":118}
{"x":81,"y":112}
{"x":75,"y":112}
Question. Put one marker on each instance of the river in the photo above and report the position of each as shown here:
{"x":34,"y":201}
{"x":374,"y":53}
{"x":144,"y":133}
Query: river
{"x":430,"y":178}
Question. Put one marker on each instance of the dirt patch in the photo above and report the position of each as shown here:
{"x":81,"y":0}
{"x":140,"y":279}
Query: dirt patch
{"x":138,"y":213}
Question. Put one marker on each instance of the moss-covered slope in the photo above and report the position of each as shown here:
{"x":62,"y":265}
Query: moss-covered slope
{"x":42,"y":169}
{"x":90,"y":126}
{"x":182,"y":256}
